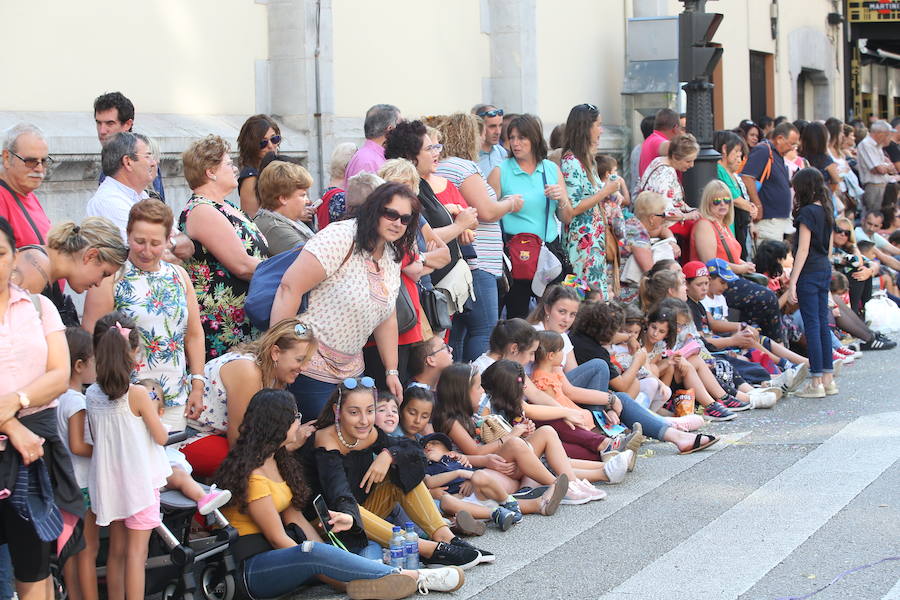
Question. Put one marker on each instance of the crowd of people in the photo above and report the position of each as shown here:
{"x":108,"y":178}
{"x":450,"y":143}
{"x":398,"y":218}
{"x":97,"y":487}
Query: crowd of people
{"x":471,"y":325}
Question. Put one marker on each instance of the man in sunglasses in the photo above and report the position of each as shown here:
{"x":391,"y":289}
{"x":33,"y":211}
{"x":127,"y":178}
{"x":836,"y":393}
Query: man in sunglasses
{"x":114,"y":113}
{"x":25,"y":163}
{"x":491,"y":153}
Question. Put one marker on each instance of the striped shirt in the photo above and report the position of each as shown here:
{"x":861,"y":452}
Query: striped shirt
{"x":488,"y":236}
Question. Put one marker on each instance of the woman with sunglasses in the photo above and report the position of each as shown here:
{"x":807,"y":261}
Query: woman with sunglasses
{"x":365,"y":473}
{"x":259,"y":135}
{"x":638,"y":235}
{"x":849,"y":260}
{"x":231,"y":380}
{"x":351,"y":270}
{"x":711,"y":238}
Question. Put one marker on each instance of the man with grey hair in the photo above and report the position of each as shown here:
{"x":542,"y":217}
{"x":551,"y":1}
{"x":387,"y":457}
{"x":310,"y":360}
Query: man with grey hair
{"x":129,"y":167}
{"x":491,"y":153}
{"x":875,"y":169}
{"x":25,"y":163}
{"x":380,"y":119}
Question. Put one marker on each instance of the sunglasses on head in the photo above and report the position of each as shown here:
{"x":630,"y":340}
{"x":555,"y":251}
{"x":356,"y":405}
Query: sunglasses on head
{"x":719,"y":201}
{"x":351,"y":383}
{"x":275,"y":139}
{"x":589,"y":106}
{"x":494,"y":112}
{"x":392,"y":215}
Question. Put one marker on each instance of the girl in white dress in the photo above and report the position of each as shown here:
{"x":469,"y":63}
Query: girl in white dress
{"x":128,"y":465}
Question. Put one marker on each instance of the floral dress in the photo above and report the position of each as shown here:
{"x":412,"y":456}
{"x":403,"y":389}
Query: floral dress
{"x":634,"y":235}
{"x":586,"y":239}
{"x":221,"y":294}
{"x":157,"y":301}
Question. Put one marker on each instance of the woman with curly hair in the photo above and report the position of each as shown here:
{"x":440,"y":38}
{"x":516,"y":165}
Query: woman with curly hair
{"x":259,"y":135}
{"x":278,"y":549}
{"x":351,"y":270}
{"x":227,"y":245}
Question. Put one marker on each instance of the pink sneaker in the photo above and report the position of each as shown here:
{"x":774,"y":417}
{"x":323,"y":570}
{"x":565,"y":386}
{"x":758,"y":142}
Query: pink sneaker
{"x":576,"y":494}
{"x":687,"y":422}
{"x":596,"y":493}
{"x":216,"y":498}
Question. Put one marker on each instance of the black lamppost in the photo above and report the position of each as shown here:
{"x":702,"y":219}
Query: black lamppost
{"x":697,"y":58}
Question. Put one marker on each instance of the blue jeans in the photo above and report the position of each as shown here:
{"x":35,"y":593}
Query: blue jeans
{"x":311,"y":395}
{"x":594,"y":375}
{"x":7,"y":589}
{"x":472,"y":328}
{"x":812,"y":295}
{"x":278,"y":572}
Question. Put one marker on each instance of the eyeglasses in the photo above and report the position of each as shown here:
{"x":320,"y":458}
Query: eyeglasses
{"x":589,"y":106}
{"x":392,"y":215}
{"x":496,"y":112}
{"x":840,"y":231}
{"x":32,"y":163}
{"x":660,"y":215}
{"x":351,"y":383}
{"x":275,"y":139}
{"x":444,"y":346}
{"x":719,"y":201}
{"x":436,"y":148}
{"x":136,"y":155}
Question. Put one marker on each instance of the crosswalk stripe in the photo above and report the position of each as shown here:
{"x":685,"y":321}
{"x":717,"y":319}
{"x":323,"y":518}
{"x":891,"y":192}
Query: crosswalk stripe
{"x":893,"y":593}
{"x":518,"y":548}
{"x":776,"y":518}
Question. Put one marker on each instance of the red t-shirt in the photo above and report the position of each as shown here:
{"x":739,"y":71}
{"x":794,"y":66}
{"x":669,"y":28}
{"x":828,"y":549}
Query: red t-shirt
{"x":451,"y":195}
{"x":10,"y":211}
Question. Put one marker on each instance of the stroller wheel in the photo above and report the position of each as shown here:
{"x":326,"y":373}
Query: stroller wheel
{"x":216,"y":583}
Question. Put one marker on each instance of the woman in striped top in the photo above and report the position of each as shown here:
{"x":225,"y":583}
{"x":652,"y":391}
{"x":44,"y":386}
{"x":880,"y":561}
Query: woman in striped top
{"x":461,"y":139}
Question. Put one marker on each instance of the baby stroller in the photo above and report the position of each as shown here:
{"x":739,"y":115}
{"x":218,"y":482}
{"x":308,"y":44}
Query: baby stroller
{"x":180,"y":565}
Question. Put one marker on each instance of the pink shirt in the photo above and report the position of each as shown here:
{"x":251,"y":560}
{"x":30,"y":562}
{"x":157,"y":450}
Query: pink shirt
{"x":23,"y":353}
{"x":650,"y":150}
{"x":369,"y":158}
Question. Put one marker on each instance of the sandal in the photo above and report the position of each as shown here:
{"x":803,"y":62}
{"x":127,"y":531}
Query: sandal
{"x":698,"y":446}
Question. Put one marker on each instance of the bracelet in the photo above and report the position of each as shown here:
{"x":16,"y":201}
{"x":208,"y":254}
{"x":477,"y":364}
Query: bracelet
{"x":390,"y":372}
{"x":199,"y":377}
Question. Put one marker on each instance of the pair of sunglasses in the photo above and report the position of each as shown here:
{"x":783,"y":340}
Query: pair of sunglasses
{"x":719,"y":201}
{"x":392,"y":215}
{"x":275,"y":139}
{"x":843,"y":231}
{"x":351,"y":383}
{"x":497,"y":112}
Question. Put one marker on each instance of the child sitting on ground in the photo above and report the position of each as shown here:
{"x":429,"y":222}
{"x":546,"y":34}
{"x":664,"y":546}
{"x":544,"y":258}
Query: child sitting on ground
{"x":386,"y":414}
{"x":415,"y":412}
{"x":464,"y":488}
{"x":181,"y":479}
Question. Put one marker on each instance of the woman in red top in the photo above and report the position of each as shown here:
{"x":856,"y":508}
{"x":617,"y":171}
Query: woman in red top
{"x":711,"y":238}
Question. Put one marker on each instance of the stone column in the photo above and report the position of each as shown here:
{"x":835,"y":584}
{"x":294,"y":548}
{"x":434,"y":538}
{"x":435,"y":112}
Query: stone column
{"x":512,"y":28}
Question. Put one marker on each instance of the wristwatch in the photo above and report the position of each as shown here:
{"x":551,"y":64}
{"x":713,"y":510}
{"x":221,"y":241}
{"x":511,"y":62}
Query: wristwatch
{"x":24,"y":401}
{"x":390,"y":372}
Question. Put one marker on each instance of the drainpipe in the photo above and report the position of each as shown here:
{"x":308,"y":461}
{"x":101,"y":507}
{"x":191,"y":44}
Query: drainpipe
{"x":320,"y":166}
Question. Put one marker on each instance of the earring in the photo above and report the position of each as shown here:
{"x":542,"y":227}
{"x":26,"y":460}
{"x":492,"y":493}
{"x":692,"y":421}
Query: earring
{"x":213,"y":177}
{"x":276,"y":362}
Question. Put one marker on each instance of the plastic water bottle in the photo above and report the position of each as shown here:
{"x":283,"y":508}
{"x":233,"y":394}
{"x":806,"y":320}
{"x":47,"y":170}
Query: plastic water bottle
{"x":398,"y":548}
{"x":412,"y":547}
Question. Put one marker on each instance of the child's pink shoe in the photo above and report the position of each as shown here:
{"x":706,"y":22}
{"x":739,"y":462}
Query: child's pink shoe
{"x":216,"y":498}
{"x":687,"y":422}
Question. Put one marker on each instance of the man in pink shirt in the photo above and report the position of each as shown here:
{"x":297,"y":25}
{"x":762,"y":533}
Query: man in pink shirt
{"x":666,"y":126}
{"x":380,"y":119}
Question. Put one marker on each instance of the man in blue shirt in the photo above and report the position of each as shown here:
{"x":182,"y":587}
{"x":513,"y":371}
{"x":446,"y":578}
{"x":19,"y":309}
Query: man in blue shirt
{"x":114,"y":113}
{"x":773,"y":198}
{"x":491,"y":153}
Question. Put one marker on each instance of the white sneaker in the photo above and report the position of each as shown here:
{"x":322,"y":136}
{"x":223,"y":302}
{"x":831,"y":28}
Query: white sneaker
{"x":796,"y":377}
{"x":762,"y":399}
{"x":577,"y":494}
{"x":596,"y":493}
{"x":617,"y":468}
{"x":443,"y":579}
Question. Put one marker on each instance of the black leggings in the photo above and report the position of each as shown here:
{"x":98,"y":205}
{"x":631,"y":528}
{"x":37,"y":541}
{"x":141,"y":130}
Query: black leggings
{"x":850,"y":322}
{"x":517,"y":298}
{"x":860,"y":293}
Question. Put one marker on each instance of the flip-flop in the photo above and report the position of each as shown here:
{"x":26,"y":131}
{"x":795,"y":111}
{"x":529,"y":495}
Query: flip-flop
{"x":698,"y":446}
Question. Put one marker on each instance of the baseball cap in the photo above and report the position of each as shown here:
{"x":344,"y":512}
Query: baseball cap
{"x":719,"y":268}
{"x":694,"y":268}
{"x":437,"y":437}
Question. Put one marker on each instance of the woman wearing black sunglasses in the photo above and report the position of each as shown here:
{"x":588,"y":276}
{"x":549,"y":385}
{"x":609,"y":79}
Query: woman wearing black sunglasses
{"x":351,"y":270}
{"x":259,"y":135}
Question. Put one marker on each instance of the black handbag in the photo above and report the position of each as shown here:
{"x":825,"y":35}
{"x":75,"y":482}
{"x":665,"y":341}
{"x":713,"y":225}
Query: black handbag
{"x":406,"y":312}
{"x":436,"y":307}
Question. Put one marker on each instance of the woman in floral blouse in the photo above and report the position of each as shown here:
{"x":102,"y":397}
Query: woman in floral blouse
{"x":586,"y":240}
{"x":159,"y":297}
{"x":228,"y":246}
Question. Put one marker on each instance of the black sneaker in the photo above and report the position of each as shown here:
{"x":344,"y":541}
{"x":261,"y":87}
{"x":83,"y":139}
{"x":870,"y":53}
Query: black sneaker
{"x":717,"y":412}
{"x":887,"y":341}
{"x":486,"y":557}
{"x":529,"y":493}
{"x":453,"y":555}
{"x":878,"y":343}
{"x":734,"y":404}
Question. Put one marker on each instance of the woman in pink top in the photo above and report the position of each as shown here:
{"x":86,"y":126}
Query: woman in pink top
{"x":34,"y":360}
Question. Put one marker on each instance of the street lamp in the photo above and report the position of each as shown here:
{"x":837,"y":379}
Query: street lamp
{"x":697,"y":58}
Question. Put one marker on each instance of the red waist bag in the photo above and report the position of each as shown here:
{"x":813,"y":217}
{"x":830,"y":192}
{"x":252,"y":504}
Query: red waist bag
{"x":524,"y":250}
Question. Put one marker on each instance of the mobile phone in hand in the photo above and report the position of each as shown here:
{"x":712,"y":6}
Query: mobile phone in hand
{"x":322,"y":512}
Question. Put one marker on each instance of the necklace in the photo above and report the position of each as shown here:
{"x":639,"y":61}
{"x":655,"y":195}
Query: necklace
{"x":337,"y":427}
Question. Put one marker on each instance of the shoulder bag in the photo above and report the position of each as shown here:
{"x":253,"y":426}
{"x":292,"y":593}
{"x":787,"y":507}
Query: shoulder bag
{"x":757,"y":278}
{"x":524,"y":249}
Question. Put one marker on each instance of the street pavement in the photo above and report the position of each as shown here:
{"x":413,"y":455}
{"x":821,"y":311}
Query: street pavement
{"x":790,"y":499}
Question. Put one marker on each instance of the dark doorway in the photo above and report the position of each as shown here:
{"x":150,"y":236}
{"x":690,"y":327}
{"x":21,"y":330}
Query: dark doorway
{"x":757,"y":85}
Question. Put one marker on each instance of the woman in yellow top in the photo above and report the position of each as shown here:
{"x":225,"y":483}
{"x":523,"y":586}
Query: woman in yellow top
{"x":278,"y":550}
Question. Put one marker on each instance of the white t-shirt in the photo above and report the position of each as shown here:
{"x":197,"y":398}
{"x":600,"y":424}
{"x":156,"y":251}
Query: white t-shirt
{"x":716,"y":307}
{"x":567,"y":344}
{"x":69,"y":404}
